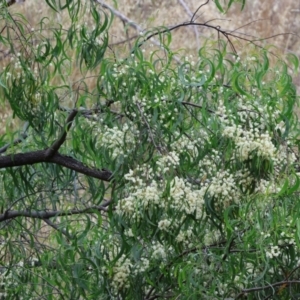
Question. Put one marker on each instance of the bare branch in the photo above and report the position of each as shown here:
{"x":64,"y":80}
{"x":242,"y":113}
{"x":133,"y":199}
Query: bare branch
{"x":192,"y":19}
{"x":225,"y":33}
{"x":127,"y":34}
{"x":45,"y":215}
{"x":185,"y":6}
{"x":270,"y":286}
{"x":130,"y":22}
{"x":34,"y":157}
{"x":124,"y":41}
{"x":121,"y":16}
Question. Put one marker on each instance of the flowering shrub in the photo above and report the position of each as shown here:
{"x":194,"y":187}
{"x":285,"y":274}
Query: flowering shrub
{"x":164,"y":177}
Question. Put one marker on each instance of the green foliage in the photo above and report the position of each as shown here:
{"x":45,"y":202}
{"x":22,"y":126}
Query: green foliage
{"x":224,"y":6}
{"x":202,"y":197}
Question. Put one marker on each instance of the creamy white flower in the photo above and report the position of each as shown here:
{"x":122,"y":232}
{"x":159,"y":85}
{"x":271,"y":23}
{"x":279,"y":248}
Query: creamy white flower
{"x":164,"y":224}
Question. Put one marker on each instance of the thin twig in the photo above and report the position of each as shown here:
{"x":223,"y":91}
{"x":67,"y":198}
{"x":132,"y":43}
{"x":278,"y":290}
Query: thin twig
{"x":57,"y":144}
{"x":292,"y":272}
{"x":189,"y":12}
{"x":127,"y":34}
{"x":43,"y":215}
{"x":18,"y":140}
{"x":62,"y":231}
{"x":193,"y":16}
{"x":270,"y":286}
{"x":131,"y":23}
{"x":124,"y":41}
{"x":149,"y":129}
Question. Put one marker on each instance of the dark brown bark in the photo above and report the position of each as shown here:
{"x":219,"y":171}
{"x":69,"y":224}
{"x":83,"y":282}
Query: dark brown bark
{"x":40,"y":156}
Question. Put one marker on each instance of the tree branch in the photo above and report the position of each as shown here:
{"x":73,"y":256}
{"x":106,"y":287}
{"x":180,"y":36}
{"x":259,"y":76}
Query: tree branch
{"x":57,"y":144}
{"x":270,"y":286}
{"x":185,"y":6}
{"x":130,"y":22}
{"x":226,"y":34}
{"x":45,"y":215}
{"x":196,"y":11}
{"x":40,"y":156}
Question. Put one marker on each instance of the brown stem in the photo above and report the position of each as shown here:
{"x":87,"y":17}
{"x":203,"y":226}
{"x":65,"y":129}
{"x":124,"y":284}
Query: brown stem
{"x":270,"y":286}
{"x":40,"y":156}
{"x":57,"y":144}
{"x":45,"y":215}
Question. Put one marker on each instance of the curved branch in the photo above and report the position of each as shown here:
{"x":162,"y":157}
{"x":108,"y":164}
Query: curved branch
{"x":226,"y":33}
{"x":40,"y":156}
{"x":57,"y":144}
{"x":193,"y":16}
{"x":78,"y":166}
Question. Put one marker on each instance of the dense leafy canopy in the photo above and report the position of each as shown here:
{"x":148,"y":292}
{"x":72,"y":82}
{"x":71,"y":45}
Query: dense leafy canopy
{"x":150,"y":176}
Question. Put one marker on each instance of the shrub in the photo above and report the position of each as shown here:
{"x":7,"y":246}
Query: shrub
{"x":149,"y":177}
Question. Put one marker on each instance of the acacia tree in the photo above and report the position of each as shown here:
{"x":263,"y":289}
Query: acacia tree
{"x":167,"y":178}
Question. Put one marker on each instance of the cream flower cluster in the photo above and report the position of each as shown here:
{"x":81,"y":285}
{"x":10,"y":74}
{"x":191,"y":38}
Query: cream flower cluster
{"x":140,"y":198}
{"x":121,"y":271}
{"x":146,"y":191}
{"x":249,"y":129}
{"x":265,"y":186}
{"x":223,"y":186}
{"x":183,"y":144}
{"x":185,"y":236}
{"x":183,"y":197}
{"x":158,"y":251}
{"x":287,"y":238}
{"x":164,"y":224}
{"x":251,"y":134}
{"x":125,"y":266}
{"x":115,"y":139}
{"x":165,"y":162}
{"x":211,"y":236}
{"x":248,"y":141}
